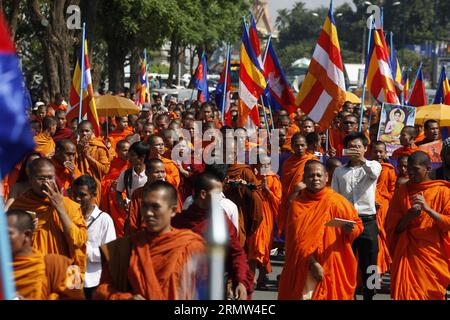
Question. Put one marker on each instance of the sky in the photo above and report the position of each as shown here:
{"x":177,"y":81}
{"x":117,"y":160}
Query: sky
{"x":275,"y":5}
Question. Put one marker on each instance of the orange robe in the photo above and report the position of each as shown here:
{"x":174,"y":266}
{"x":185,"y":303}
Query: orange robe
{"x":173,"y":177}
{"x":385,"y":191}
{"x":44,"y":144}
{"x":64,"y":177}
{"x":260,"y":242}
{"x":306,"y":234}
{"x":336,"y":141}
{"x":291,"y":175}
{"x":108,"y":199}
{"x":406,"y":151}
{"x":153,"y":266}
{"x":249,"y":202}
{"x":39,"y":277}
{"x":99,"y":168}
{"x":49,"y":236}
{"x":420,"y":254}
{"x":115,"y":136}
{"x":290,"y":131}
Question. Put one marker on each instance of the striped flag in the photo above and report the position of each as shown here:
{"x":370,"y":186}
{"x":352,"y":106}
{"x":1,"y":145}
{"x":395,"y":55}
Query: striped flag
{"x":254,"y":41}
{"x":201,"y":80}
{"x":418,"y":96}
{"x":395,"y":66}
{"x":405,"y":83}
{"x":323,"y":91}
{"x":378,"y":73}
{"x":443,"y":89}
{"x":88,"y":108}
{"x":251,"y":85}
{"x":143,"y":82}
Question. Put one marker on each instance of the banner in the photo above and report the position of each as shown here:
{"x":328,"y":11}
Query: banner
{"x":393,"y":119}
{"x":434,"y":150}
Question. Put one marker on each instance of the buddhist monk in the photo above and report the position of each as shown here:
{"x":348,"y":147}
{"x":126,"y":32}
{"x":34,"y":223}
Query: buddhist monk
{"x":402,"y":171}
{"x":36,"y":127}
{"x":407,"y":138}
{"x":195,"y":218}
{"x":307,"y":126}
{"x":331,"y":164}
{"x":109,"y":184}
{"x":157,"y":150}
{"x":320,"y":263}
{"x":261,"y":240}
{"x":39,"y":276}
{"x":44,"y":140}
{"x":206,"y":112}
{"x":292,"y":175}
{"x":383,"y":195}
{"x":61,"y":228}
{"x":121,"y":132}
{"x":162,"y":122}
{"x":93,"y":157}
{"x":65,"y":166}
{"x":242,"y":187}
{"x":417,"y":227}
{"x":155,"y":171}
{"x":22,"y":184}
{"x":154,"y":263}
{"x":62,"y":132}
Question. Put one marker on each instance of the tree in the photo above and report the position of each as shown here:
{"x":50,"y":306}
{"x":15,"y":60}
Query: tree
{"x":57,"y":41}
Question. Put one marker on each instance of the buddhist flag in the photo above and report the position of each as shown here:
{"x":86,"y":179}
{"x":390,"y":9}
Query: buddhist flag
{"x":443,"y":89}
{"x":405,"y":83}
{"x":143,"y":82}
{"x":322,"y":93}
{"x":378,"y":74}
{"x":254,"y":40}
{"x":88,"y":110}
{"x":395,"y":66}
{"x":418,"y":96}
{"x":252,"y":84}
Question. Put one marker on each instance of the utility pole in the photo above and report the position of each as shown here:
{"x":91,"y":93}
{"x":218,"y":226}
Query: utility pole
{"x":435,"y":46}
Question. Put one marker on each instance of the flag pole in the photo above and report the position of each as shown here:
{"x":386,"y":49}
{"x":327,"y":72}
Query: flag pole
{"x":225,"y":90}
{"x":147,"y":88}
{"x":265,"y":119}
{"x":268,"y":102}
{"x":365,"y":75}
{"x":82,"y":73}
{"x":7,"y":274}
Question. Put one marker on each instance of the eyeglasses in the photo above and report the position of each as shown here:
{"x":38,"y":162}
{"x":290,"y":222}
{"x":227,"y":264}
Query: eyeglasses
{"x":349,"y":122}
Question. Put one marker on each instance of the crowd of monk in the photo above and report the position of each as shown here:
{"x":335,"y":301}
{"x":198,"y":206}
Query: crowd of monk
{"x":116,"y":217}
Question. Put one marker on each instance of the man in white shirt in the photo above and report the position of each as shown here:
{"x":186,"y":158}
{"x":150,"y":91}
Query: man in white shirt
{"x":357,"y":182}
{"x":100,"y":228}
{"x":135,"y":177}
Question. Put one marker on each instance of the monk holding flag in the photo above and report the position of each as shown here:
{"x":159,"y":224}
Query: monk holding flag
{"x":417,"y":227}
{"x":320,"y":263}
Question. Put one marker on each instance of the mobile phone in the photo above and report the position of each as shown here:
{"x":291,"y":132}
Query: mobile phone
{"x":346,"y":152}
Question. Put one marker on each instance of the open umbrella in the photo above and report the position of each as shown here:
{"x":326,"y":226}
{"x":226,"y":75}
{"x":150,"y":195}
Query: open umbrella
{"x":438,"y":112}
{"x":353,"y":98}
{"x":115,"y":106}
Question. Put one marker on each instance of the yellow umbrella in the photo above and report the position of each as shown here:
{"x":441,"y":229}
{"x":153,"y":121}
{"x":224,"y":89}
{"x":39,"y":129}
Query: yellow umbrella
{"x":113,"y":106}
{"x":438,"y":112}
{"x":353,"y":98}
